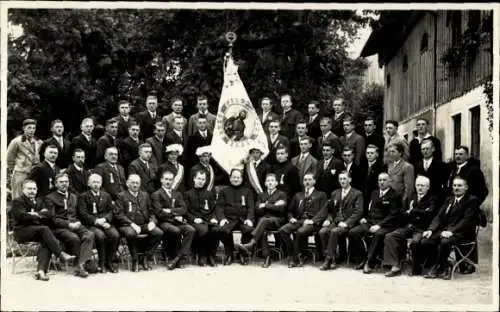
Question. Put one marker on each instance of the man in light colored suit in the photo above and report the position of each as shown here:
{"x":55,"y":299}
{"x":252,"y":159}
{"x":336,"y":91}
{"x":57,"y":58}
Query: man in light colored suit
{"x":400,"y":171}
{"x":305,"y":162}
{"x":23,"y":153}
{"x":177,"y":106}
{"x":353,"y":140}
{"x":202,"y":104}
{"x":392,"y":136}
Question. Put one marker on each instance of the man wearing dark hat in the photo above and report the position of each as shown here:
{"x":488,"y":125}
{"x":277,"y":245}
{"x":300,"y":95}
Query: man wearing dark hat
{"x":22,"y":155}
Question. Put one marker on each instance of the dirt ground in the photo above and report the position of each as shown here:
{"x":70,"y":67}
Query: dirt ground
{"x":236,"y":288}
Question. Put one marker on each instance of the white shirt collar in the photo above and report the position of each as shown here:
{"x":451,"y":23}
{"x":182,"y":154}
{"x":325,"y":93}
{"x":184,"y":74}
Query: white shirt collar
{"x":271,"y":192}
{"x":327,"y":134}
{"x":309,"y":192}
{"x":169,"y":191}
{"x":347,"y":166}
{"x":145,"y":162}
{"x":462,"y":165}
{"x":77,"y":167}
{"x":348,"y":135}
{"x":134,"y":194}
{"x":88,"y":137}
{"x":51,"y":164}
{"x":203,"y":133}
{"x":273,"y":136}
{"x":427,"y":135}
{"x":179,"y":133}
{"x":346,"y":191}
{"x":382,"y":193}
{"x":371,"y":163}
{"x":427,"y":161}
{"x":313,"y":117}
{"x":457,"y":199}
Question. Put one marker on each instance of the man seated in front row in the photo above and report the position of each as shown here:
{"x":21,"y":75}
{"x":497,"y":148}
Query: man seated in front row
{"x":134,"y":218}
{"x":201,"y":216}
{"x":96,"y":211}
{"x":171,"y":212}
{"x":271,"y":212}
{"x":235,"y":210}
{"x":302,"y":220}
{"x":342,"y":212}
{"x":454,"y":224}
{"x":418,"y":214}
{"x":382,"y":218}
{"x":30,"y":226}
{"x":62,"y":209}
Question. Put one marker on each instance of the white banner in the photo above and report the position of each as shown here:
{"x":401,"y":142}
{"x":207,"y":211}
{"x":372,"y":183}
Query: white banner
{"x":237,"y":127}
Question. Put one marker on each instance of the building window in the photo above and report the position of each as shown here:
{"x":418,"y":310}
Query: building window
{"x":405,"y":63}
{"x":457,"y":133}
{"x":475,"y":131}
{"x":424,"y":43}
{"x":388,"y":81}
{"x":456,"y":27}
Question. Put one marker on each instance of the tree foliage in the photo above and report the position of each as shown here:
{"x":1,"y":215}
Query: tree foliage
{"x":71,"y":63}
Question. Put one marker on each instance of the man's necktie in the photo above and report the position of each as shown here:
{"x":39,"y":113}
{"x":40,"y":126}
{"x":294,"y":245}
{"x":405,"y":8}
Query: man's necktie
{"x":255,"y":164}
{"x":450,"y":207}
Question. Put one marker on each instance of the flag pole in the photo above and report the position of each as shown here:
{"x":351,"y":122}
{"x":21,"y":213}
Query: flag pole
{"x":230,"y":38}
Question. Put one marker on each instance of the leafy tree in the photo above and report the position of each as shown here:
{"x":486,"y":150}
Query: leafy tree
{"x":74,"y":63}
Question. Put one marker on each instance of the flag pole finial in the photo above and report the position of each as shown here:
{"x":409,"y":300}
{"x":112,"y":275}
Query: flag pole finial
{"x":230,"y":38}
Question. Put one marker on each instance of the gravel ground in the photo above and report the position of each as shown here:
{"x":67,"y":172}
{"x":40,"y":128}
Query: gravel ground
{"x":236,"y":287}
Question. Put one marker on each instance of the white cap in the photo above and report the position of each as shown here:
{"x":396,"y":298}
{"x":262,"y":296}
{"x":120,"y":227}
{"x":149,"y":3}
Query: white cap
{"x":202,"y":150}
{"x":175,"y":148}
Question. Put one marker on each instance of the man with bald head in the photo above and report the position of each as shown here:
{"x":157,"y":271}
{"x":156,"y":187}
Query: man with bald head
{"x":416,"y":216}
{"x":112,"y":173}
{"x":134,"y":217}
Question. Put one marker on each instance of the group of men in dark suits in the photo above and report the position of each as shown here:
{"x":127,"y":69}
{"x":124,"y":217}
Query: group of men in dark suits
{"x":151,"y":179}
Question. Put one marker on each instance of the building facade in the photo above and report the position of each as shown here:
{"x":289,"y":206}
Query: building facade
{"x":410,"y":46}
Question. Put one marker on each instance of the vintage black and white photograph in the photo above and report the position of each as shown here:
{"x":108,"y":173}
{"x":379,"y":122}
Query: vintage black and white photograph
{"x":178,"y":158}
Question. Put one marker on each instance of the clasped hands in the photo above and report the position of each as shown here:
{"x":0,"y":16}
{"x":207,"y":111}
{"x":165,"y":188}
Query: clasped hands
{"x":103,"y":223}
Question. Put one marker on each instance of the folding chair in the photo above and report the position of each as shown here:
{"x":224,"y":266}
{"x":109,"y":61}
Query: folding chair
{"x":123,"y":252}
{"x":272,"y":247}
{"x":462,"y":252}
{"x":21,"y":252}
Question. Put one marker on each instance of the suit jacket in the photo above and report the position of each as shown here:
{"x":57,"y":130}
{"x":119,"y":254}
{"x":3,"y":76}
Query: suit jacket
{"x":113,"y":181}
{"x":159,"y":149}
{"x":160,"y":201}
{"x":91,"y":207}
{"x":419,"y":214}
{"x":402,"y":178}
{"x":302,"y":207}
{"x":308,"y":165}
{"x":338,"y":124}
{"x":193,"y":142}
{"x":192,"y":128}
{"x":370,"y":177}
{"x":386,"y":210}
{"x":64,"y":152}
{"x":416,"y":153}
{"x":131,"y":209}
{"x":129,"y":150}
{"x":147,"y":123}
{"x":62,"y":209}
{"x":168,"y":166}
{"x":44,"y":176}
{"x":270,"y":209}
{"x":124,"y":125}
{"x":148,"y":176}
{"x":102,"y":144}
{"x":200,"y":204}
{"x":348,"y":210}
{"x":288,"y":178}
{"x":313,"y":129}
{"x":327,"y":179}
{"x":357,"y":143}
{"x":173,"y":138}
{"x":474,"y":176}
{"x":168,"y":120}
{"x":265,"y":123}
{"x":235,"y":203}
{"x":356,"y":175}
{"x":461,"y":219}
{"x":90,"y":149}
{"x":22,"y":155}
{"x":21,"y":206}
{"x":273,"y":146}
{"x":288,"y":122}
{"x":78,"y":180}
{"x":437,"y":174}
{"x":333,"y":140}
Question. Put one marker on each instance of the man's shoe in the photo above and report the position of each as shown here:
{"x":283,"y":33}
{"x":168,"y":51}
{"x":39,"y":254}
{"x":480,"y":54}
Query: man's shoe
{"x":446,"y":275}
{"x":228,"y":260}
{"x":201,"y":261}
{"x":291,"y":263}
{"x":100,"y":269}
{"x":326,"y":265}
{"x":393,"y":272}
{"x":66,"y":257}
{"x":468,"y":270}
{"x":41,"y":276}
{"x":301,"y":262}
{"x":360,"y":266}
{"x":267,"y":262}
{"x":333,"y":265}
{"x":80,"y":272}
{"x":211,"y":261}
{"x":416,"y":271}
{"x":135,"y":266}
{"x":110,"y":268}
{"x":174,"y":264}
{"x":433,"y":273}
{"x":243,"y":259}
